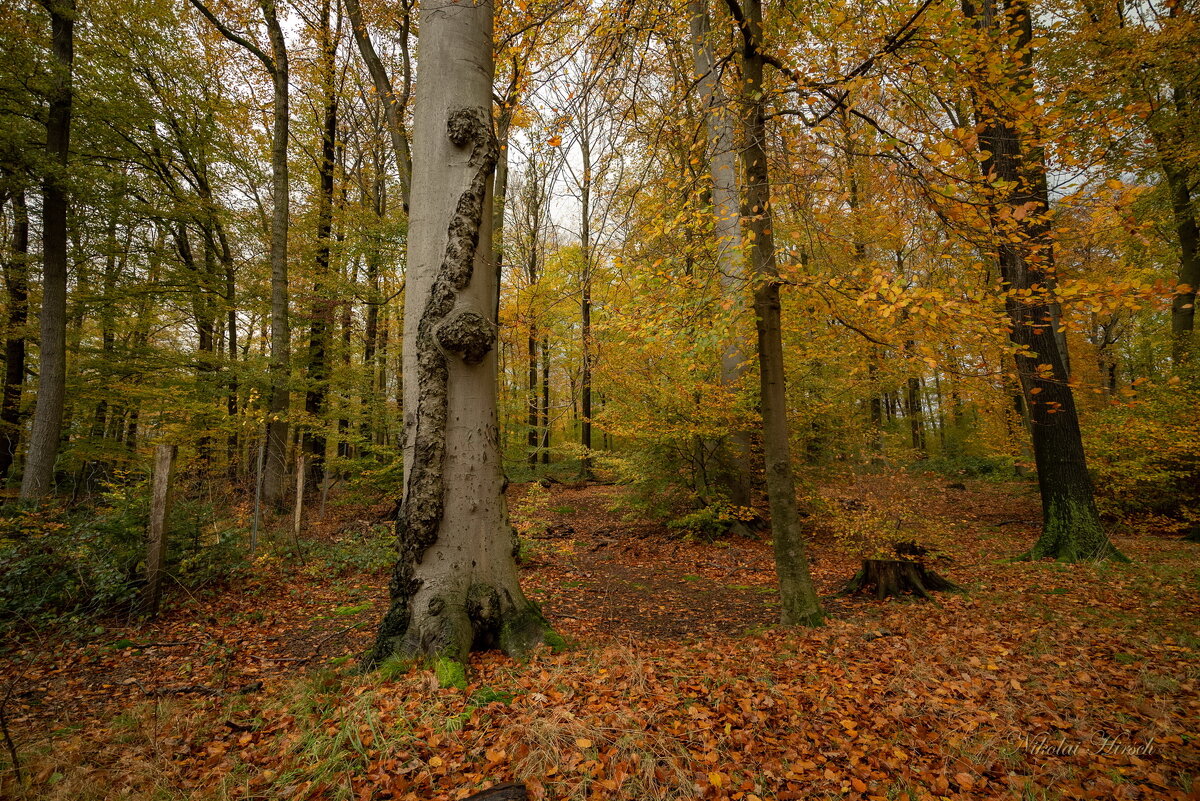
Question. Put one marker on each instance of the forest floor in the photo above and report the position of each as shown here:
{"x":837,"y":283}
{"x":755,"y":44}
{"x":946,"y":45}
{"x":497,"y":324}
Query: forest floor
{"x":1042,"y":681}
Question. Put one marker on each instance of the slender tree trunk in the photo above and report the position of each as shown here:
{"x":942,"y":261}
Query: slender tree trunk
{"x":585,"y":249}
{"x":1183,"y":305}
{"x":916,"y":415}
{"x":279,"y":402}
{"x":375,"y":394}
{"x":316,"y":393}
{"x":532,"y":397}
{"x":16,"y":284}
{"x":233,"y":446}
{"x":455,"y":583}
{"x":1071,"y":529}
{"x":38,"y":478}
{"x":734,"y":457}
{"x":346,"y":322}
{"x":545,"y":400}
{"x":394,"y":103}
{"x":800,"y":605}
{"x":500,"y":192}
{"x":381,"y":373}
{"x":531,"y":345}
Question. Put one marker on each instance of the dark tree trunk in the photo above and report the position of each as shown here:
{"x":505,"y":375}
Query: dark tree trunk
{"x":531,"y":350}
{"x":38,"y":479}
{"x":532,"y":397}
{"x":322,"y":305}
{"x":585,"y":243}
{"x":1020,"y":212}
{"x":545,"y":400}
{"x":16,"y":284}
{"x":1183,"y":305}
{"x":231,"y":398}
{"x":916,"y":415}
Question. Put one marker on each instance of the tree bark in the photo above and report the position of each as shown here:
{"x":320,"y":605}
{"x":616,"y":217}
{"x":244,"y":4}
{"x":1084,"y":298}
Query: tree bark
{"x":16,"y":284}
{"x":1183,"y":305}
{"x":531,"y":437}
{"x":321,"y":323}
{"x":500,"y":192}
{"x":275,"y":468}
{"x":38,"y":478}
{"x":585,"y":300}
{"x":546,"y":400}
{"x":455,"y":584}
{"x":734,"y":457}
{"x":1071,"y":529}
{"x":800,"y":605}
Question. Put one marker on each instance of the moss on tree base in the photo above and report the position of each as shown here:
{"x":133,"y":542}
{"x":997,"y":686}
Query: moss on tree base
{"x":487,"y":618}
{"x":1071,"y":532}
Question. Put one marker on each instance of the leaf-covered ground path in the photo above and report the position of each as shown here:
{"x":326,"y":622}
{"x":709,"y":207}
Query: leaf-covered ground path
{"x":1044,"y":681}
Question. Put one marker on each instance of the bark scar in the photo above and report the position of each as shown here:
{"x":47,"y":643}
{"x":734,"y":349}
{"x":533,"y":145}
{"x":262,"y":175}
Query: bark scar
{"x":441,"y":330}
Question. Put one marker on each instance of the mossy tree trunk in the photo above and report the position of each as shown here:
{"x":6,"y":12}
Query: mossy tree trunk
{"x":455,"y":585}
{"x":1020,"y":216}
{"x":798,"y":596}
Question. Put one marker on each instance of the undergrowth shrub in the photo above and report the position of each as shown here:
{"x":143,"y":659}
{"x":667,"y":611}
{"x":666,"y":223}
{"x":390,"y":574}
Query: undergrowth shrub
{"x":967,"y":465}
{"x":370,"y":552}
{"x":58,"y":562}
{"x":661,"y":484}
{"x":1145,"y":454}
{"x":365,"y":478}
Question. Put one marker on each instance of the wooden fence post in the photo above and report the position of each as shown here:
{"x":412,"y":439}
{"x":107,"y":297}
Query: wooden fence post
{"x":160,"y":510}
{"x":298,"y":513}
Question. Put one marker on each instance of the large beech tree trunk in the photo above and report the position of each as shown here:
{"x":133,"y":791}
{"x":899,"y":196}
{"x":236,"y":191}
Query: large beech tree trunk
{"x":798,"y":596}
{"x":455,"y":585}
{"x":734,"y":457}
{"x":38,"y":478}
{"x":1020,"y":211}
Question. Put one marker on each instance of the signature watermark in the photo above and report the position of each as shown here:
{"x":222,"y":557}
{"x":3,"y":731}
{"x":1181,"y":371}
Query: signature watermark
{"x":1121,"y":744}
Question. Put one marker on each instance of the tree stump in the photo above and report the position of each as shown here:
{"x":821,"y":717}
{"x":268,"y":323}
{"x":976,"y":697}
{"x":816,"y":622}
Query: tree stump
{"x":885,"y":578}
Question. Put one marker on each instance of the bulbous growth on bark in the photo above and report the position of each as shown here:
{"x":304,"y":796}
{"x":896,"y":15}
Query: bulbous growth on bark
{"x":454,"y":587}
